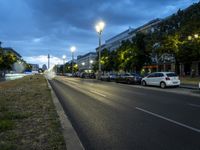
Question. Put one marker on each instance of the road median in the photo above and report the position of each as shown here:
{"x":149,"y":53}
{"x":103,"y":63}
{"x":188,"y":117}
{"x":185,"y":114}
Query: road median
{"x":28,"y":118}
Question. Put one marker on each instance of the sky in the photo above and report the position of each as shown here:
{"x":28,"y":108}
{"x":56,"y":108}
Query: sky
{"x":36,"y":28}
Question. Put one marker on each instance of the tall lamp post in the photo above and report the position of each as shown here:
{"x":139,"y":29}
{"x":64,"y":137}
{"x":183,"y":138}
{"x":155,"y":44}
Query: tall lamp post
{"x":72,"y":49}
{"x":99,"y":28}
{"x":64,"y":57}
{"x":194,"y":38}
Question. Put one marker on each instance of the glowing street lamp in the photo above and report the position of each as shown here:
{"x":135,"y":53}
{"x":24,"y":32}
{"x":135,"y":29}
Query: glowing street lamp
{"x":99,"y":29}
{"x":196,"y":36}
{"x":83,"y":63}
{"x":72,"y":49}
{"x":91,"y":61}
{"x":189,"y":37}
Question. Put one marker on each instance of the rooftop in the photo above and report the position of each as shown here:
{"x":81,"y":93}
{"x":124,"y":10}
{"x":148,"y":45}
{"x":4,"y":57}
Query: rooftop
{"x":9,"y":49}
{"x":82,"y":56}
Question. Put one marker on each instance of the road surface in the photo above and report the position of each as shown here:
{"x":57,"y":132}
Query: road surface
{"x":115,"y":116}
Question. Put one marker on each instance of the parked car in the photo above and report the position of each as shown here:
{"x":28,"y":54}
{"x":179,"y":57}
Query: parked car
{"x":137,"y":78}
{"x":108,"y":77}
{"x":128,"y":78}
{"x":68,"y":74}
{"x":162,"y":79}
{"x":87,"y":75}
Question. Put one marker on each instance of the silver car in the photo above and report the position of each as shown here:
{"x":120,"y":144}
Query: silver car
{"x":162,"y":79}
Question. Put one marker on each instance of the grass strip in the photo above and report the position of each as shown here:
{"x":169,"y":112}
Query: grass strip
{"x":28,"y":119}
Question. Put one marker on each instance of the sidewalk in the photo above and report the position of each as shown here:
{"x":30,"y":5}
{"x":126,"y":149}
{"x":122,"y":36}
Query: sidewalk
{"x":190,"y":83}
{"x":189,"y":86}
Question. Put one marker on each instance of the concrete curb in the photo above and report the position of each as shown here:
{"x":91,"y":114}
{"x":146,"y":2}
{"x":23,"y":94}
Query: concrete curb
{"x":189,"y":87}
{"x":71,"y":138}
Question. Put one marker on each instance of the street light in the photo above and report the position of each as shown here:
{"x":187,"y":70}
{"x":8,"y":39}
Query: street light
{"x":99,"y":28}
{"x":64,"y":57}
{"x":196,"y":36}
{"x":189,"y":37}
{"x":72,"y":49}
{"x":91,"y":61}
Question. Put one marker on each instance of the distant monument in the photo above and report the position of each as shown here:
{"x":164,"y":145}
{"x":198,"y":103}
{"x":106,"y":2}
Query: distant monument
{"x":44,"y":67}
{"x":48,"y":61}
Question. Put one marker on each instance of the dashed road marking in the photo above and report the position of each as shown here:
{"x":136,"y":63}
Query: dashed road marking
{"x":194,"y":105}
{"x":170,"y":120}
{"x":95,"y":92}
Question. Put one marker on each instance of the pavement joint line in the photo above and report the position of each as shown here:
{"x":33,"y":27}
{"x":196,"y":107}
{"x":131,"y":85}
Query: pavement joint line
{"x":93,"y":91}
{"x":71,"y":138}
{"x":170,"y":120}
{"x":194,"y":105}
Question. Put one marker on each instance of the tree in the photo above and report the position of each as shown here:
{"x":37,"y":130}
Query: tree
{"x":123,"y":53}
{"x":1,"y":57}
{"x":142,"y":54}
{"x":189,"y":51}
{"x":7,"y":59}
{"x":105,"y":57}
{"x":114,"y":61}
{"x":28,"y":67}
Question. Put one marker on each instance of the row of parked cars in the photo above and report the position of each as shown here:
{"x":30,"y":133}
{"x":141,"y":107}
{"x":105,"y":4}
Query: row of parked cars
{"x":130,"y":78}
{"x":162,"y":79}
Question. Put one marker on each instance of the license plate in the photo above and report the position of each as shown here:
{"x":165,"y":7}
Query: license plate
{"x":175,"y":82}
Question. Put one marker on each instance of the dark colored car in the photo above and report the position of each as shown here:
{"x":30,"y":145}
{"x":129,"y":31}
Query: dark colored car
{"x":124,"y":78}
{"x":129,"y":78}
{"x":88,"y":75}
{"x":137,"y":78}
{"x":108,"y":77}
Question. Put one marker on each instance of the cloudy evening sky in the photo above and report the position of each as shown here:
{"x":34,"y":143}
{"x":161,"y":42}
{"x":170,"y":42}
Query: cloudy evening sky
{"x":35,"y":28}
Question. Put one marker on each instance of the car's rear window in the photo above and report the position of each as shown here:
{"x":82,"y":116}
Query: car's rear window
{"x":171,"y":75}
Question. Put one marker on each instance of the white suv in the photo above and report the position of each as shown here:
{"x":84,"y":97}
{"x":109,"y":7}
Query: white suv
{"x":161,"y":79}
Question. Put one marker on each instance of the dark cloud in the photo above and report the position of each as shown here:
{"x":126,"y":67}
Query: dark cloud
{"x":52,"y":26}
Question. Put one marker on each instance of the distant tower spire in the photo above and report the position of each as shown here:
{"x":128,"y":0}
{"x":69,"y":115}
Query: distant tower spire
{"x":48,"y":61}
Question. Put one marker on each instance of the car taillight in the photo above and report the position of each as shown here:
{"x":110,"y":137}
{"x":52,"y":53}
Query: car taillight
{"x":167,"y":78}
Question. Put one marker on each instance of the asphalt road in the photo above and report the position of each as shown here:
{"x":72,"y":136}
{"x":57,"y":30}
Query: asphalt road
{"x":115,"y":116}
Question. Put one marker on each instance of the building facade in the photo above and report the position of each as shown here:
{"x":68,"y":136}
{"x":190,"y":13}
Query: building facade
{"x":44,"y":67}
{"x":149,"y":27}
{"x":11,"y":50}
{"x":85,"y":62}
{"x":165,"y":62}
{"x":35,"y":67}
{"x":116,"y":41}
{"x":18,"y":66}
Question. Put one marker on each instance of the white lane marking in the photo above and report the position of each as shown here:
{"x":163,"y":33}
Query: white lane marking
{"x":194,"y":105}
{"x":170,"y":120}
{"x":95,"y":92}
